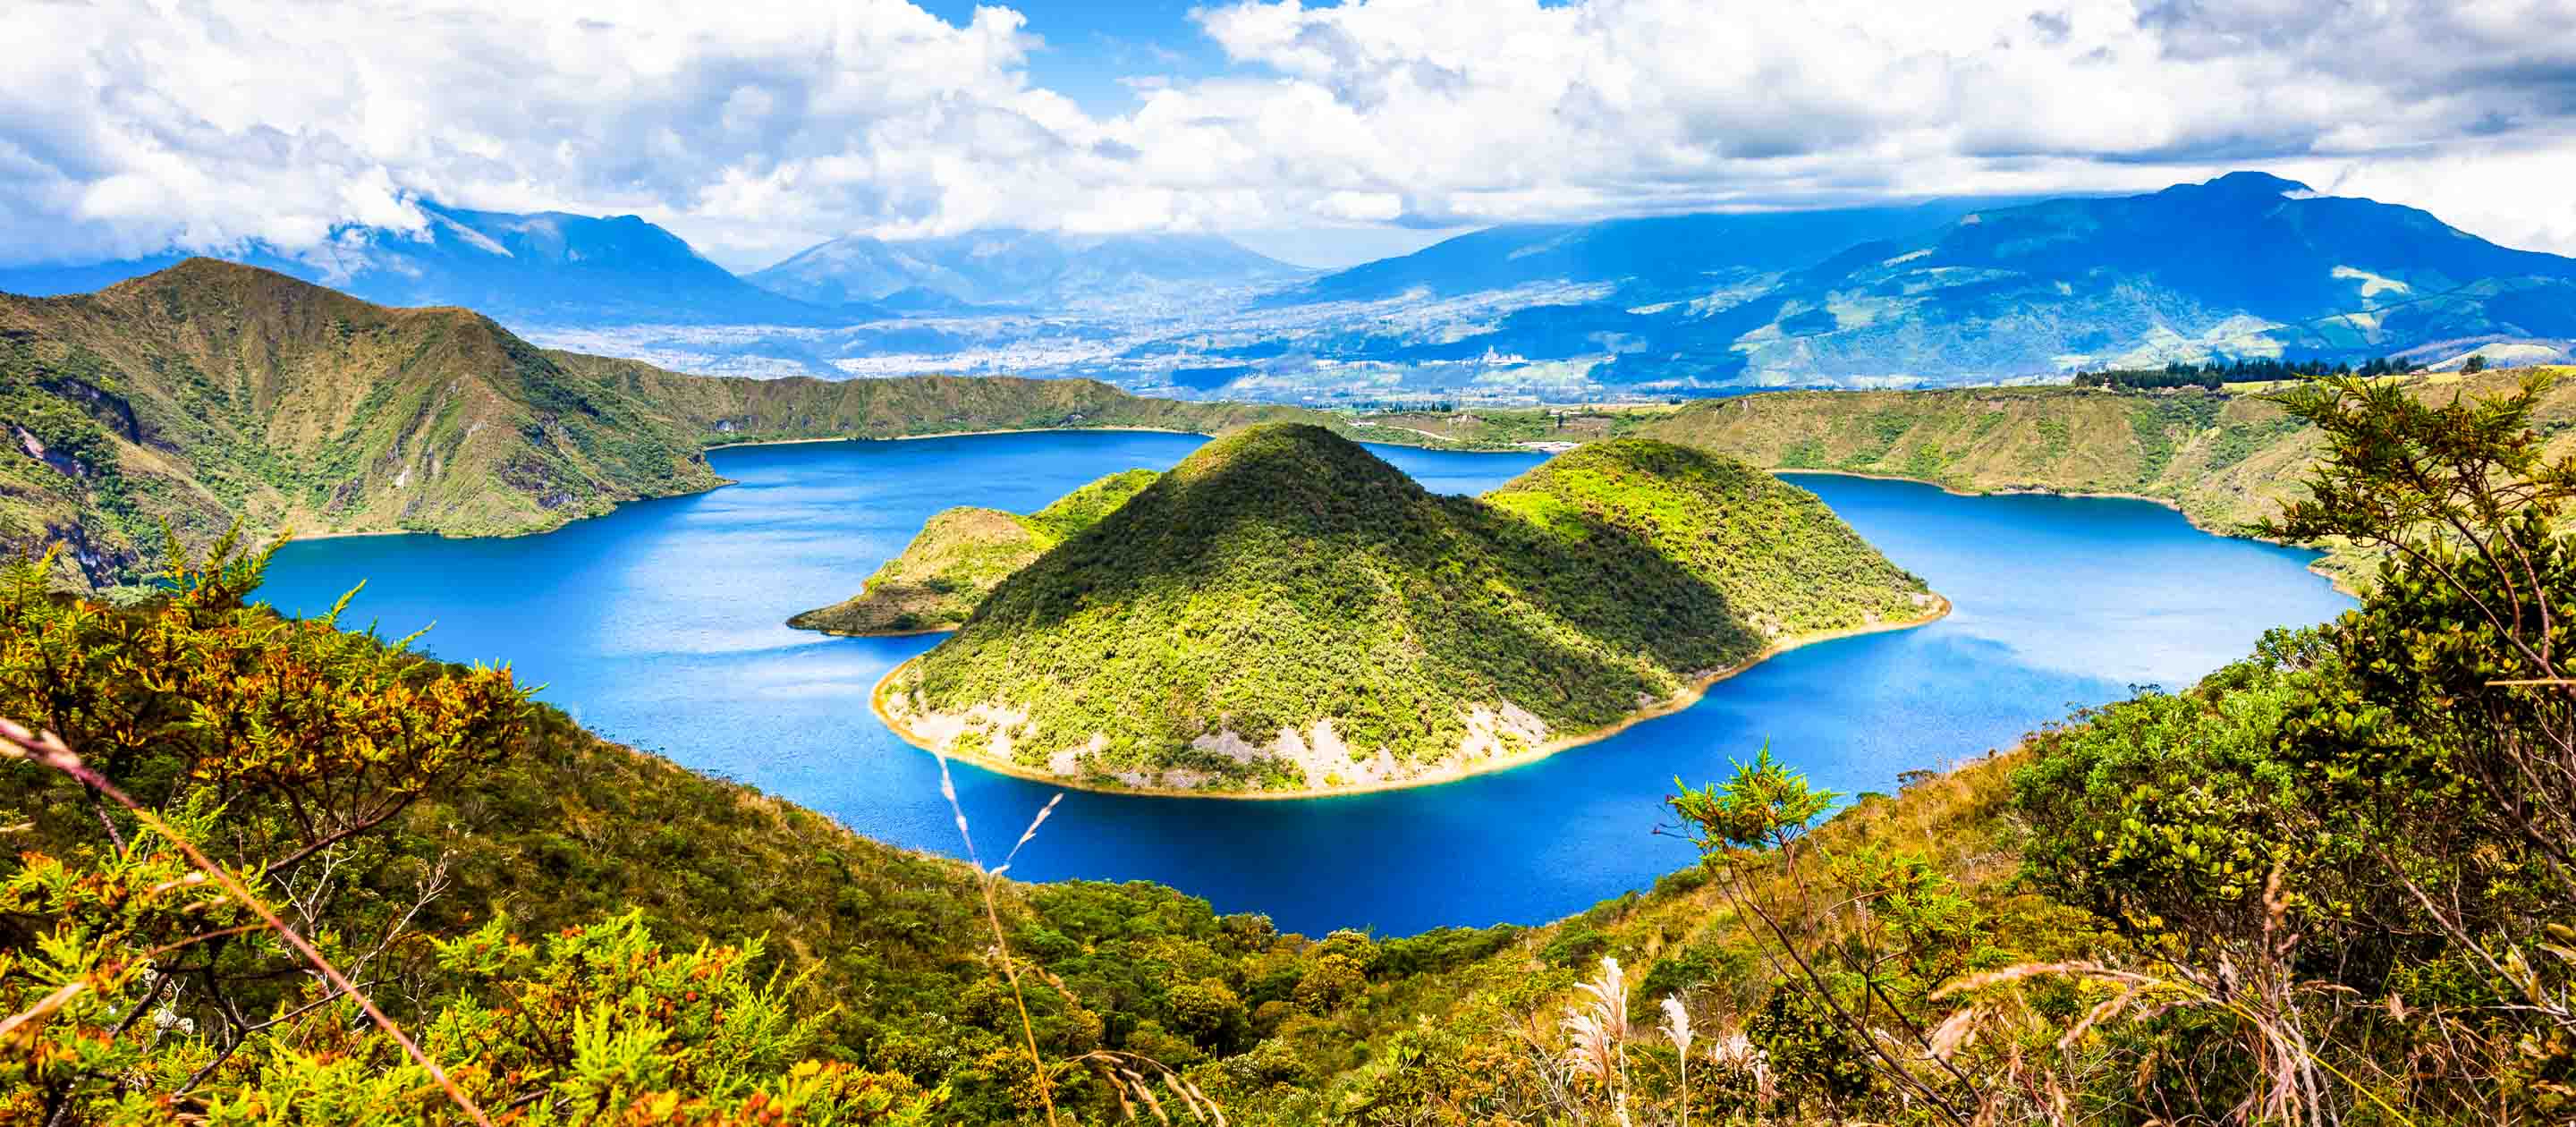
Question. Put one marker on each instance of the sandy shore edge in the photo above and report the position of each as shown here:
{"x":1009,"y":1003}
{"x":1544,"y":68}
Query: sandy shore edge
{"x":1666,"y":707}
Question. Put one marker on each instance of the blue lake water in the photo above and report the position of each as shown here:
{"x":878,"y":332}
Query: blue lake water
{"x":660,"y":625}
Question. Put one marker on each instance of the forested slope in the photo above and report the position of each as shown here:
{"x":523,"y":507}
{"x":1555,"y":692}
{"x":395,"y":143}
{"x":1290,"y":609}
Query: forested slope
{"x":1285,"y":612}
{"x":212,"y":392}
{"x":504,"y":810}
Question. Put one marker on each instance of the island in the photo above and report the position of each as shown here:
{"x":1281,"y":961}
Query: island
{"x":1284,"y":614}
{"x":960,"y":555}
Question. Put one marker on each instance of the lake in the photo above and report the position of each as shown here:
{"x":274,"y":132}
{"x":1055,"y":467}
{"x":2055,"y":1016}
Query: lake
{"x":661,"y":625}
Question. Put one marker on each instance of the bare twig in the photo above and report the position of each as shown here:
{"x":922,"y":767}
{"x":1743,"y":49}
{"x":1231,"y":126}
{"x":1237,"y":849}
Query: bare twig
{"x":993,"y":916}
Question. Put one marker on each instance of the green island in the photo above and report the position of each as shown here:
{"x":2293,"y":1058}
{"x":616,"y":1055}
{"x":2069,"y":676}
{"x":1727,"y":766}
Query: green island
{"x":2327,"y":884}
{"x":960,"y":555}
{"x":1285,"y":614}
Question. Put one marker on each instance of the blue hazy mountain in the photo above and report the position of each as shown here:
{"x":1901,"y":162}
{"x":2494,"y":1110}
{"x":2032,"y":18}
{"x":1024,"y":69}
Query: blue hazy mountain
{"x":543,"y":268}
{"x":1022,"y":268}
{"x":2245,"y":265}
{"x":1646,"y":256}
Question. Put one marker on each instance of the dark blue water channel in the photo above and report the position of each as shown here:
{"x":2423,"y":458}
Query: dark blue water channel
{"x":661,"y":625}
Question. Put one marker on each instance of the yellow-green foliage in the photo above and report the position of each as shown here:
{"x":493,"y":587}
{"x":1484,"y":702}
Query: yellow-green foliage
{"x":1282,"y":576}
{"x":624,"y":877}
{"x":960,"y":555}
{"x":1779,"y":556}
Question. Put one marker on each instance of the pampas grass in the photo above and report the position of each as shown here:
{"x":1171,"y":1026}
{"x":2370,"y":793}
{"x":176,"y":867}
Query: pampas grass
{"x":1131,"y":1076}
{"x":1597,"y":1029}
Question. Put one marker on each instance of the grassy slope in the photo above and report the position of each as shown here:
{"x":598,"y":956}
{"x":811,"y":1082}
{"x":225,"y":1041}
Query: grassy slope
{"x":723,"y":409}
{"x":2223,"y":459}
{"x":1282,"y":577}
{"x":960,"y":555}
{"x":212,"y":391}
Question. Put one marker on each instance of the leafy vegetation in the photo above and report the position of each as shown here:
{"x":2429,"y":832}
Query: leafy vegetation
{"x":1285,"y":611}
{"x":960,"y":555}
{"x":2215,"y":374}
{"x":570,"y":930}
{"x":2327,"y":884}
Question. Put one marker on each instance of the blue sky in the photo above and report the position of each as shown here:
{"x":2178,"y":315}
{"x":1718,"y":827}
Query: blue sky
{"x":1094,"y":51}
{"x":1106,"y":56}
{"x":1321,"y":134}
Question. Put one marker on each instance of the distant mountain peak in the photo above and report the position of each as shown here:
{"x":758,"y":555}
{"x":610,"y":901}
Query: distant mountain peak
{"x":527,"y":269}
{"x":2248,"y":183}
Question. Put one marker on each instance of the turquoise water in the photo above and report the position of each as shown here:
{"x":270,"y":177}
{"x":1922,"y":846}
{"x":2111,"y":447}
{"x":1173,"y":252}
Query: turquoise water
{"x":660,"y":625}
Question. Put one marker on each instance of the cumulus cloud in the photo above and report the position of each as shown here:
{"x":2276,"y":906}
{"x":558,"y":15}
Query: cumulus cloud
{"x":129,"y":126}
{"x":1495,"y":109}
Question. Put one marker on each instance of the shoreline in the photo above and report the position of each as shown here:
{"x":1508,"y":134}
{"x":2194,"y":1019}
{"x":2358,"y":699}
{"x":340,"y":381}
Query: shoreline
{"x":295,"y":535}
{"x":2002,"y":491}
{"x":1690,"y":695}
{"x":791,"y":624}
{"x":945,"y":434}
{"x":2315,"y":567}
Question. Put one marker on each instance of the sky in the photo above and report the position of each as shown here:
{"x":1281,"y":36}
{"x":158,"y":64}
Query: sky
{"x":1323,"y":134}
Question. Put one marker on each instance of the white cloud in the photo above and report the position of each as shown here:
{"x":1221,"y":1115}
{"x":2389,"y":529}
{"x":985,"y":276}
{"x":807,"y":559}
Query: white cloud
{"x":131,"y":125}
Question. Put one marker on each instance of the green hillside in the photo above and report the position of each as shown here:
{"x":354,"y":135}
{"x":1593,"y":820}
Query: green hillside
{"x":960,"y":555}
{"x":2226,"y":459}
{"x":512,"y":828}
{"x":1285,"y":612}
{"x":212,"y":392}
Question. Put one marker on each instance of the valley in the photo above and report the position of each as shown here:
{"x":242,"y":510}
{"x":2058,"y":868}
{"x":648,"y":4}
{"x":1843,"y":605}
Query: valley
{"x":210,"y":393}
{"x":1288,"y":563}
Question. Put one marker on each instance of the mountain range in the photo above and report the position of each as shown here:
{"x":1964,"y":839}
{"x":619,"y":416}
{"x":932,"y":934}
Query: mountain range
{"x":1947,"y":292}
{"x":547,"y":268}
{"x":212,"y":392}
{"x":1667,"y":254}
{"x":2245,"y":265}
